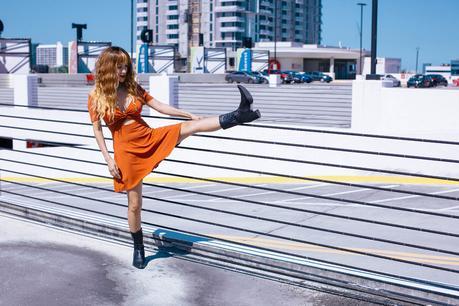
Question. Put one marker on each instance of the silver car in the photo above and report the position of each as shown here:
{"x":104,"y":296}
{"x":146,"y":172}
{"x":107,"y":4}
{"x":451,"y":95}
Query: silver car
{"x":242,"y":77}
{"x":389,"y":77}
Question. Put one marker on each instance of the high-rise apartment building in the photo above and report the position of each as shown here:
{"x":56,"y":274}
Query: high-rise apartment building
{"x":226,"y":23}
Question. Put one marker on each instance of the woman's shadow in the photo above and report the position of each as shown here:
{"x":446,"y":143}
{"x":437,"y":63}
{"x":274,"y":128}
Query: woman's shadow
{"x":167,"y":249}
{"x":164,"y":252}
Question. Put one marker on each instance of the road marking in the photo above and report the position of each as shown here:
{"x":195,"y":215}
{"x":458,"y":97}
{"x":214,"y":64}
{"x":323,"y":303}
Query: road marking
{"x":358,"y":190}
{"x":414,"y":196}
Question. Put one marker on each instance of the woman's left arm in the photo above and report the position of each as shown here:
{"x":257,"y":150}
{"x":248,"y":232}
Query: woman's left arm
{"x":170,"y":110}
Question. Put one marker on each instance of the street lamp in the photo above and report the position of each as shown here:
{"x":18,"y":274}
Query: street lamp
{"x":374,"y":32}
{"x":132,"y":28}
{"x":361,"y":29}
{"x":275,"y":31}
{"x":417,"y":57}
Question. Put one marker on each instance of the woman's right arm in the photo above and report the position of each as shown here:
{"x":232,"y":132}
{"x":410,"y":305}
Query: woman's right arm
{"x":98,"y":133}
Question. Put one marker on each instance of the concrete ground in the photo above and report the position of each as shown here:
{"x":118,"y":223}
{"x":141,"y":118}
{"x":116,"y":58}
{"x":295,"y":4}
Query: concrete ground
{"x":41,"y":265}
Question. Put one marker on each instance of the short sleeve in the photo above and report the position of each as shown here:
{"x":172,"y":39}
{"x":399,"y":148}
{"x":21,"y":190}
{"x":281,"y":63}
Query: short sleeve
{"x":143,"y":94}
{"x":92,"y":112}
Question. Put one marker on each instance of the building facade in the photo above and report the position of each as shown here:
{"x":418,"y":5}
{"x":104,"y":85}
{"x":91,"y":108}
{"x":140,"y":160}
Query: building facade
{"x":227,"y":24}
{"x":52,"y":55}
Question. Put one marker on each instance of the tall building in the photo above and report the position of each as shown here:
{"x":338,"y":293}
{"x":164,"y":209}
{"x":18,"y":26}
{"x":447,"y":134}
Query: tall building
{"x":226,"y":23}
{"x":52,"y":55}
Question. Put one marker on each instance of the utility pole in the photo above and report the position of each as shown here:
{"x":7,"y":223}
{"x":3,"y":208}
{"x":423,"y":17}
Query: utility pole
{"x":275,"y":31}
{"x":361,"y":29}
{"x":374,"y":30}
{"x":132,"y":28}
{"x":417,"y":57}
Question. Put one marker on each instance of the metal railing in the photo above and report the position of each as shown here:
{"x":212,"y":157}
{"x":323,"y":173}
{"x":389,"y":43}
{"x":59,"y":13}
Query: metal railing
{"x":431,"y":259}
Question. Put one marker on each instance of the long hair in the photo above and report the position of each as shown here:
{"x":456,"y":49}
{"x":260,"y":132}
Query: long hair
{"x":104,"y":93}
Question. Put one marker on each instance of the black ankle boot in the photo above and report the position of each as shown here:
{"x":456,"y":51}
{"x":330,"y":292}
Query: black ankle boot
{"x":138,"y":258}
{"x":243,"y":114}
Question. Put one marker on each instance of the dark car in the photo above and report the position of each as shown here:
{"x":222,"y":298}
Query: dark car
{"x":320,"y":76}
{"x":285,"y":77}
{"x":305,"y":77}
{"x":299,"y":77}
{"x":438,"y":79}
{"x":242,"y":77}
{"x":420,"y":80}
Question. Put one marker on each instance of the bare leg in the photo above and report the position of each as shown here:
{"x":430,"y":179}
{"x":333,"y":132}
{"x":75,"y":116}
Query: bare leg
{"x":189,"y":128}
{"x":135,"y":208}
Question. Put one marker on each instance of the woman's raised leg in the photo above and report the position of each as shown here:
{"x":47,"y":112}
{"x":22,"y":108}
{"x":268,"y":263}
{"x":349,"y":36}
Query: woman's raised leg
{"x":242,"y":114}
{"x":208,"y":124}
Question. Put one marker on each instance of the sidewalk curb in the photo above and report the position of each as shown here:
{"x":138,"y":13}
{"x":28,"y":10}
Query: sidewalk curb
{"x":381,"y":288}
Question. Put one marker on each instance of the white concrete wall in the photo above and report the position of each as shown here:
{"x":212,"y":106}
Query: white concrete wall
{"x":291,"y":64}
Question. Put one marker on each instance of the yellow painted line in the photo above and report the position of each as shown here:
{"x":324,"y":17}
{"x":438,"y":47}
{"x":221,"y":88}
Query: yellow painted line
{"x":415,"y":257}
{"x":260,"y":180}
{"x":29,"y":179}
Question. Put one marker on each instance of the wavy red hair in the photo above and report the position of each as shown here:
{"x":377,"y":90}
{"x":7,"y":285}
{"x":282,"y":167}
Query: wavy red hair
{"x":104,"y":93}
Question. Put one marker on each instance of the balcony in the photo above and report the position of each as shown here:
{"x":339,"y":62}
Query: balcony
{"x":232,"y":29}
{"x":230,"y":8}
{"x":265,"y":12}
{"x":266,"y":32}
{"x":172,"y":21}
{"x":231,"y":19}
{"x":172,"y":12}
{"x":172,"y":31}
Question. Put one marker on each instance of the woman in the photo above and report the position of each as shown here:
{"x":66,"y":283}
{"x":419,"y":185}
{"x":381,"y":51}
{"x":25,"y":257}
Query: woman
{"x":138,"y":149}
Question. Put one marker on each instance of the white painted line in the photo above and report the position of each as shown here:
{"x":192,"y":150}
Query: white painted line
{"x":415,"y":196}
{"x":229,"y":189}
{"x":188,"y":194}
{"x":305,"y":187}
{"x":357,"y":190}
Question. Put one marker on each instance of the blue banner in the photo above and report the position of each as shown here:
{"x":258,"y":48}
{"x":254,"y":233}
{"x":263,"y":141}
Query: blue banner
{"x":245,"y":62}
{"x":142,"y":59}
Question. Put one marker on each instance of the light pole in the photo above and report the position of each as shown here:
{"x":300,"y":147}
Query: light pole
{"x":417,"y":57}
{"x":374,"y":32}
{"x":275,"y":31}
{"x":361,"y":29}
{"x":132,"y":28}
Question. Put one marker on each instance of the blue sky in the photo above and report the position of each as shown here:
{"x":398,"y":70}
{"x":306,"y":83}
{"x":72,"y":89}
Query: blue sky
{"x":403,"y":25}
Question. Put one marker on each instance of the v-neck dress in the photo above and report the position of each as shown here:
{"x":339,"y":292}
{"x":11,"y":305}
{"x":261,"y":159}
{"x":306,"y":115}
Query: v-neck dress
{"x":138,"y":148}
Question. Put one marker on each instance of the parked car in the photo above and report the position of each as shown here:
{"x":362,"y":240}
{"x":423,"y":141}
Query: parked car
{"x":264,"y":78}
{"x":242,"y":77}
{"x":305,"y":77}
{"x":420,"y":80}
{"x":438,"y":79}
{"x":456,"y":82}
{"x":299,"y":77}
{"x":320,"y":76}
{"x":389,"y":77}
{"x":285,"y":77}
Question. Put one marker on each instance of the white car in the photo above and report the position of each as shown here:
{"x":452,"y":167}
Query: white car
{"x":389,"y":77}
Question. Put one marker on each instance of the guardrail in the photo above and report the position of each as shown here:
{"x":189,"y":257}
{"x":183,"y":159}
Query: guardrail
{"x":380,"y":237}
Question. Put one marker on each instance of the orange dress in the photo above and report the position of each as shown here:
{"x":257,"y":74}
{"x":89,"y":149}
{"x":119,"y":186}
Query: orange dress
{"x":138,"y":148}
